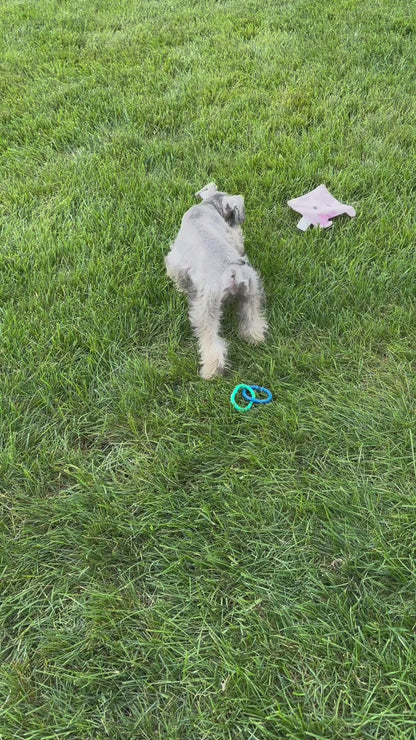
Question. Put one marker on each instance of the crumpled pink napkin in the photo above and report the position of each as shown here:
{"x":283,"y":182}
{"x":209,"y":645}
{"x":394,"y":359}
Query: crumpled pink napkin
{"x":318,"y":207}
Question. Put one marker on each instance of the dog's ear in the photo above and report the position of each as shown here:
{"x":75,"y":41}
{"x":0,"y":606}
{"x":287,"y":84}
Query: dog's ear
{"x":207,"y":191}
{"x":233,"y":209}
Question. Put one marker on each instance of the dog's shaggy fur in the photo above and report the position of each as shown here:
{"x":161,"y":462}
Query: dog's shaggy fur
{"x":207,"y":261}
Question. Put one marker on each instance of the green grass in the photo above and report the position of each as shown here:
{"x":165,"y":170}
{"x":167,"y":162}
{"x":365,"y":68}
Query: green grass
{"x":172,"y":569}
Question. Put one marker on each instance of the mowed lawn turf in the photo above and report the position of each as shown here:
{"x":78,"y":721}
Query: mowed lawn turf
{"x":171,"y":568}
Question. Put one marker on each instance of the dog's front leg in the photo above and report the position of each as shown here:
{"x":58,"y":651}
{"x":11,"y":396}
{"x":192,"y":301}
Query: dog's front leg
{"x":205,"y":315}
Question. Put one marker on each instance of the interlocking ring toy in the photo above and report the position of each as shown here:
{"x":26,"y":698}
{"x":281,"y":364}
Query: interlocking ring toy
{"x":249,"y":395}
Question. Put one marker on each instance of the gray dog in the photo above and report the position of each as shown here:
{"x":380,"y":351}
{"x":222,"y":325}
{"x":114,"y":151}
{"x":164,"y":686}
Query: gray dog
{"x":207,"y":261}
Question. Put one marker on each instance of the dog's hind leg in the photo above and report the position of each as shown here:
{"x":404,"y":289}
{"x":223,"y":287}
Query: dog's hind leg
{"x":205,"y":315}
{"x":179,"y":275}
{"x":253,"y":325}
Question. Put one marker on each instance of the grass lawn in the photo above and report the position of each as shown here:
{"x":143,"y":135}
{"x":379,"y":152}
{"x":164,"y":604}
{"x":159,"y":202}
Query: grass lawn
{"x":170,"y":568}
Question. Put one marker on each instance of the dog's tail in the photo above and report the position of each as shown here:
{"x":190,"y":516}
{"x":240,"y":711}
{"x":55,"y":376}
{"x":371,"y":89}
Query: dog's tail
{"x":236,"y":278}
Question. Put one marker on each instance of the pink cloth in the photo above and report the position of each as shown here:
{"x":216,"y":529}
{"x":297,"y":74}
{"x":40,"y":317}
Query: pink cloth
{"x":318,"y":207}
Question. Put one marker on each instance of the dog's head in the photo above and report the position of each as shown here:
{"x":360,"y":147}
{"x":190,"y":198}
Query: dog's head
{"x":231,"y":207}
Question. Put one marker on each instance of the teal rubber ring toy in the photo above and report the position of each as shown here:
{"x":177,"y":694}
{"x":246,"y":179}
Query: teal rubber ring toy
{"x":240,"y":387}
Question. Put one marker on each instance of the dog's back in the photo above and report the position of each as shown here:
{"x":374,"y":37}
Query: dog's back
{"x":206,"y":244}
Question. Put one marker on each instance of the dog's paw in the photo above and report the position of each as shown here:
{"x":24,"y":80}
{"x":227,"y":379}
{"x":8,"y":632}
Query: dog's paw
{"x":207,"y":373}
{"x":214,"y":360}
{"x":213,"y":368}
{"x":256,"y":333}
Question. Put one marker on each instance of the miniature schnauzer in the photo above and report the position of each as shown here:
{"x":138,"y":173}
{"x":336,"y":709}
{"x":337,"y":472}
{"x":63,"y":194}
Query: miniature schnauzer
{"x":207,"y":261}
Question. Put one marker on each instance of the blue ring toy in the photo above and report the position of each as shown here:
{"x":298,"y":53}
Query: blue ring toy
{"x":259,"y":389}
